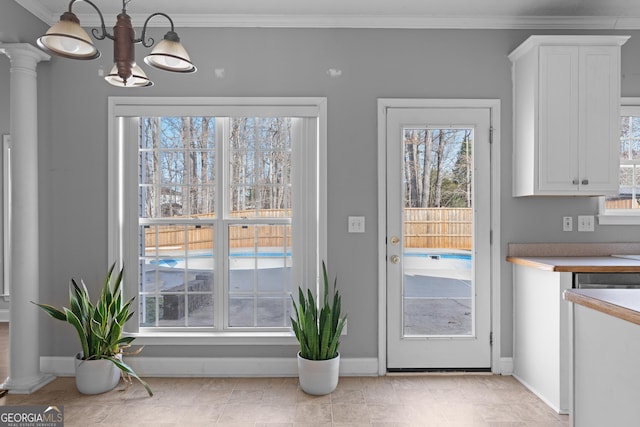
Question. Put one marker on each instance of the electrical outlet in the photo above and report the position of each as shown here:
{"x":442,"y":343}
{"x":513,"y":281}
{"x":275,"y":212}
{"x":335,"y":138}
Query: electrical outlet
{"x":585,"y":222}
{"x":567,"y":223}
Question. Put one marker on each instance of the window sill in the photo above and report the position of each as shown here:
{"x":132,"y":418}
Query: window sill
{"x":213,"y":338}
{"x":619,"y":219}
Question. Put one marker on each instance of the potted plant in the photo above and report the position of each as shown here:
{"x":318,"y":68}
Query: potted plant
{"x":318,"y":332}
{"x":99,"y":328}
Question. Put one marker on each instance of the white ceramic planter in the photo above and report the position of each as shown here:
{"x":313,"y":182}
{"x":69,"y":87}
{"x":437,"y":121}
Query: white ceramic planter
{"x":318,"y":377}
{"x":95,"y":376}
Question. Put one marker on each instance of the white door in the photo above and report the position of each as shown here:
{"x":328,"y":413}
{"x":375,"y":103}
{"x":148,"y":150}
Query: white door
{"x":438,"y":238}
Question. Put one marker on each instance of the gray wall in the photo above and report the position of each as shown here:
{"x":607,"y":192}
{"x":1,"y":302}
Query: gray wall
{"x":288,"y":62}
{"x":19,"y":26}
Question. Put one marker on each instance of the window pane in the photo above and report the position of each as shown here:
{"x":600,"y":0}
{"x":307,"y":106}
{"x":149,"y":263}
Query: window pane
{"x":260,"y":167}
{"x":172,"y":168}
{"x":259,"y":275}
{"x":177,"y":167}
{"x":630,"y":138}
{"x":177,"y":270}
{"x":627,"y":197}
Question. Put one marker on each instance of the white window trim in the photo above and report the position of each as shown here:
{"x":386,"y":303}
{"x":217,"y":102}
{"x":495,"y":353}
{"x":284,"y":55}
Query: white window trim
{"x":628,"y":105}
{"x":6,"y":216}
{"x":314,"y":178}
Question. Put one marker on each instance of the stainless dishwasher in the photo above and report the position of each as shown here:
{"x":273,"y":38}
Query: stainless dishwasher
{"x":606,"y":280}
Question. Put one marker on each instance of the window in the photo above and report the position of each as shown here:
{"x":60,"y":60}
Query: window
{"x":215,"y":210}
{"x":624,"y":208}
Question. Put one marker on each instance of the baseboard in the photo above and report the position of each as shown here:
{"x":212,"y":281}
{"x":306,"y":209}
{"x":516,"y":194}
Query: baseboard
{"x":4,"y":315}
{"x":505,"y":366}
{"x":215,"y":367}
{"x":552,"y":405}
{"x":231,"y":366}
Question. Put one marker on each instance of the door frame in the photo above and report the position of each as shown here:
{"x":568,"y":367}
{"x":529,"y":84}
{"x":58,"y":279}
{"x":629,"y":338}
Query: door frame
{"x":494,"y":106}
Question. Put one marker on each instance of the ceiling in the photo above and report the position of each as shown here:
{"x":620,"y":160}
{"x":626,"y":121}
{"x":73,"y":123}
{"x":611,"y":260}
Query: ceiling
{"x":566,"y":14}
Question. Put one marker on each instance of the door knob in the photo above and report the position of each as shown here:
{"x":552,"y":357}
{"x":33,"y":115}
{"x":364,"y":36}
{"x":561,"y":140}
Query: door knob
{"x":395,"y":240}
{"x":395,"y":259}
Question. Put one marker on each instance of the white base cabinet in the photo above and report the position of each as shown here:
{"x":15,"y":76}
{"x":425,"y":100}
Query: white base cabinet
{"x":541,"y":334}
{"x":566,"y":97}
{"x":606,"y":373}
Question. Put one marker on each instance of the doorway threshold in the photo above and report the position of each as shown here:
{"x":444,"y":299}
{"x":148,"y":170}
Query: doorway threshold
{"x":437,"y":371}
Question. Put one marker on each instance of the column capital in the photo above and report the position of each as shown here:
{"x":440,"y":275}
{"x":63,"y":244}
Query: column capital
{"x":23,"y":52}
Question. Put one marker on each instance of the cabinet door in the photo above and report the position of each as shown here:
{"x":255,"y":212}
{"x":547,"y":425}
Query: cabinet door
{"x":558,"y":118}
{"x":599,"y":119}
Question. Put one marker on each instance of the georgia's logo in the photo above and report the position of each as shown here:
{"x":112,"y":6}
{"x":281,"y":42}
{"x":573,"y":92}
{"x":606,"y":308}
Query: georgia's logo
{"x":53,"y":408}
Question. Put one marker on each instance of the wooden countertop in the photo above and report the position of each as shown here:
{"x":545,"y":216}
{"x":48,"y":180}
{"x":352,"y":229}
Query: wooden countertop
{"x":580,"y":264}
{"x":621,"y":303}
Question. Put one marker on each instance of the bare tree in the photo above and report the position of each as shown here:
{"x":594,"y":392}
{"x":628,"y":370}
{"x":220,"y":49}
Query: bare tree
{"x":440,"y":146}
{"x":411,"y":170}
{"x":150,"y":168}
{"x":426,"y":168}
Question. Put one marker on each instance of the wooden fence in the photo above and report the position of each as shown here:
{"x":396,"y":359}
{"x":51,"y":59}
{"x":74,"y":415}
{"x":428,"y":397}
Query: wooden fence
{"x":446,"y":228}
{"x":622,"y":204}
{"x":172,"y":237}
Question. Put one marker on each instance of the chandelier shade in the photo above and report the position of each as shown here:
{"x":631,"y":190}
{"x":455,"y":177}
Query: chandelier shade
{"x":68,"y":39}
{"x":138,"y":78}
{"x":170,"y":55}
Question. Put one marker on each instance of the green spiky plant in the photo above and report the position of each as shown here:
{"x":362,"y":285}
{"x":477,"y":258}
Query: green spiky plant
{"x":99,"y":326}
{"x":318,"y":329}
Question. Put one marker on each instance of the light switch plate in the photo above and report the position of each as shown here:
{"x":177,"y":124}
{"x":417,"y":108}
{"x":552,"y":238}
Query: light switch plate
{"x":356,"y":224}
{"x":585,"y":222}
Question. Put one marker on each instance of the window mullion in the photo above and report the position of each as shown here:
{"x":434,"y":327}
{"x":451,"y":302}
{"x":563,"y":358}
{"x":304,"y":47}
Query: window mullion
{"x":221,"y":250}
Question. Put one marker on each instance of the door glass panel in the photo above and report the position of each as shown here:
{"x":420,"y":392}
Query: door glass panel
{"x":437,"y":289}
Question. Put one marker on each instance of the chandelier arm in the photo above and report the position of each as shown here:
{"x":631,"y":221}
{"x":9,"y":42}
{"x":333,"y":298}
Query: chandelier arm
{"x":96,"y":32}
{"x":149,"y":42}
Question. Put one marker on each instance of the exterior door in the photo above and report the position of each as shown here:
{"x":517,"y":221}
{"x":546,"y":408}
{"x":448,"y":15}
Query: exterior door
{"x":438,"y":238}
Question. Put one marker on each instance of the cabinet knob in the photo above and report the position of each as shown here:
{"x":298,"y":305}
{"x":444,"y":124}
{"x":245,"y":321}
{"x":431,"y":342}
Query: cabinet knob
{"x":585,"y":182}
{"x":575,"y":182}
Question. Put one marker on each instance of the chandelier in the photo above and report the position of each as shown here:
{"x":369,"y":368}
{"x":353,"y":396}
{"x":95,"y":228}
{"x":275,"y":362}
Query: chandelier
{"x":68,"y":39}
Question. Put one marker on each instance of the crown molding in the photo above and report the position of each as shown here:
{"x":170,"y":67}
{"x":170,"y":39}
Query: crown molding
{"x":387,"y":21}
{"x":399,"y":21}
{"x":354,"y":21}
{"x":36,"y":8}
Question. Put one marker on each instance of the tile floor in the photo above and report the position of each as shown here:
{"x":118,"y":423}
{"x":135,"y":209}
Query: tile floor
{"x":408,"y":400}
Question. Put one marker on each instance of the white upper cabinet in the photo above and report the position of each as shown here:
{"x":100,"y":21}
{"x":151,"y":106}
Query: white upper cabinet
{"x":566,"y":100}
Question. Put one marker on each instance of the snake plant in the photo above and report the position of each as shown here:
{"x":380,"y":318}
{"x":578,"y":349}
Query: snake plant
{"x":99,"y":326}
{"x":318,"y":329}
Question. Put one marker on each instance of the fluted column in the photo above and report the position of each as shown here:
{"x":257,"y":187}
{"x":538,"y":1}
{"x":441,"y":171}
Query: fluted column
{"x":24,"y":350}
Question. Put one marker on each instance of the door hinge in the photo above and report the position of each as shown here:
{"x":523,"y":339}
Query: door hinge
{"x":491,"y":338}
{"x":491,"y":237}
{"x":490,"y":134}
